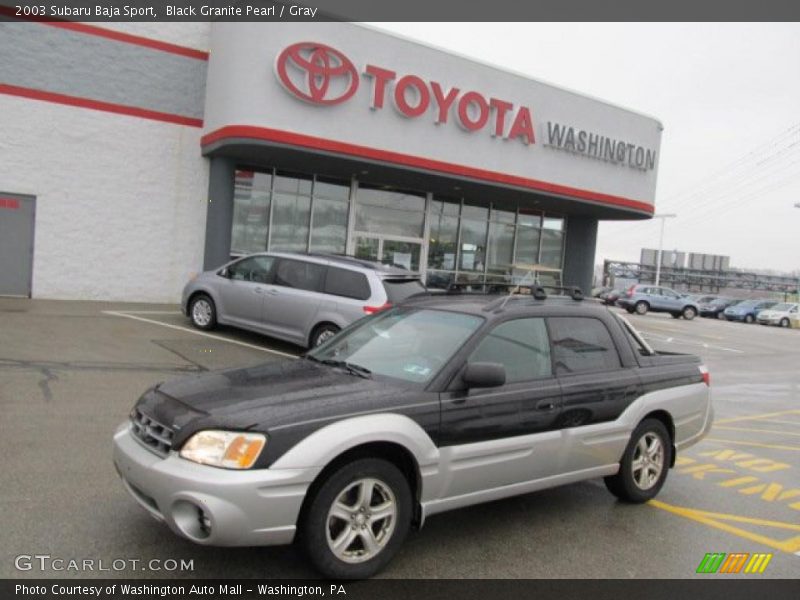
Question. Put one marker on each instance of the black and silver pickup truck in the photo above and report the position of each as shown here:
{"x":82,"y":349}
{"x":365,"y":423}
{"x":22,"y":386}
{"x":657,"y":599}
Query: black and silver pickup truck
{"x":441,"y":402}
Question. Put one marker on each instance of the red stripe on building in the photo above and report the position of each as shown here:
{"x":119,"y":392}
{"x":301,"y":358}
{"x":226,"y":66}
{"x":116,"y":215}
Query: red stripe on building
{"x":9,"y":203}
{"x":305,"y":141}
{"x":110,"y":34}
{"x":120,"y":109}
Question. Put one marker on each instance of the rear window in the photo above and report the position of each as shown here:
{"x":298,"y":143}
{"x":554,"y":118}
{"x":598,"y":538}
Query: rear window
{"x":398,"y":290}
{"x":582,"y":345}
{"x":350,"y":284}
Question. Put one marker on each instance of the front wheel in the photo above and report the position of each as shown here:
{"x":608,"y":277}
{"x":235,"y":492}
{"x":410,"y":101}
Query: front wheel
{"x":357,"y":519}
{"x":784,"y":322}
{"x":749,"y":318}
{"x":641,"y":308}
{"x":689,"y":313}
{"x":203,"y":312}
{"x":644,"y":465}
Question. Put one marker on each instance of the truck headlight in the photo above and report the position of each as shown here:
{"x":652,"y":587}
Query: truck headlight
{"x":227,"y":449}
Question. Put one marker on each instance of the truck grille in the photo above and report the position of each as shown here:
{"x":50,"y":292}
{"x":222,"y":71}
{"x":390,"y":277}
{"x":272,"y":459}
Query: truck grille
{"x":151,"y":433}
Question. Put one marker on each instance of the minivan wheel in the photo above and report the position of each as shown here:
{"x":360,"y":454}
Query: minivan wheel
{"x":644,"y":465}
{"x":675,"y":315}
{"x":689,"y":313}
{"x":641,"y":307}
{"x":784,"y":322}
{"x":357,"y":519}
{"x":202,"y":312}
{"x":323,"y":333}
{"x":749,"y":318}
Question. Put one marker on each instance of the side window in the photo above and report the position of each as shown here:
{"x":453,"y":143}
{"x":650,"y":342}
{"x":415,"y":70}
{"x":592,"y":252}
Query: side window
{"x":521,"y":346}
{"x":582,"y":345}
{"x":300,"y":275}
{"x":255,"y":269}
{"x":350,"y":284}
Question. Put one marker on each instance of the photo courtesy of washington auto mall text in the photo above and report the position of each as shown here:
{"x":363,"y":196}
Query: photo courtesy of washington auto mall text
{"x":412,"y":300}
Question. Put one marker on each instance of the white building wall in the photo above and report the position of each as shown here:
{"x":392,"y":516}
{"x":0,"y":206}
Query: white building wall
{"x":120,"y":201}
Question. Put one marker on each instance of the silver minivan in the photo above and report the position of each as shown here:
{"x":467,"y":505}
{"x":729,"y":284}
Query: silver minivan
{"x":300,"y":298}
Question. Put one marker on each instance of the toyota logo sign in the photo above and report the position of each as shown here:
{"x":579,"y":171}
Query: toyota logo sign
{"x":317,"y":73}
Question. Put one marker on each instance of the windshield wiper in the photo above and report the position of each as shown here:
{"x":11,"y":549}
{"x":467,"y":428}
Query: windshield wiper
{"x":351,"y":368}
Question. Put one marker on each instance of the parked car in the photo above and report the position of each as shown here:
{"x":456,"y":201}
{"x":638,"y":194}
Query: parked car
{"x":779,"y":314}
{"x":441,"y":402}
{"x":747,"y":310}
{"x":300,"y":298}
{"x":702,"y":299}
{"x":716,"y":308}
{"x":642,"y":298}
{"x":610,"y":298}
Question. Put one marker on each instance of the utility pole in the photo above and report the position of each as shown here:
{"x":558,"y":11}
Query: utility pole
{"x":663,"y":218}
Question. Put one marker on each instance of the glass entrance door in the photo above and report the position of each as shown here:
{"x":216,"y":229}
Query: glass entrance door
{"x":399,"y":252}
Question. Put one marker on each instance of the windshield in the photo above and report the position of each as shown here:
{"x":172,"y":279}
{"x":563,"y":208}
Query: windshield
{"x":782,"y":307}
{"x":405,"y":343}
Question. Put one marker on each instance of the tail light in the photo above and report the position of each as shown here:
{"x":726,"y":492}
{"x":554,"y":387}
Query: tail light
{"x":706,"y":375}
{"x":373,"y":309}
{"x":629,"y":292}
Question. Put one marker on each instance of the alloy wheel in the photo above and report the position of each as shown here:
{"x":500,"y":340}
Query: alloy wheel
{"x":361,"y":520}
{"x":648,"y":461}
{"x":201,"y":312}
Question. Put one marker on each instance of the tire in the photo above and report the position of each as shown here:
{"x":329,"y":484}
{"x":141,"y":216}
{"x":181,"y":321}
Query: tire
{"x":322,"y":333}
{"x":749,"y":319}
{"x":675,"y":315}
{"x":721,"y":316}
{"x":784,"y":322}
{"x":626,"y":484}
{"x":689,"y":313}
{"x":345,"y":487}
{"x":630,"y":311}
{"x":203,"y":312}
{"x":641,"y":307}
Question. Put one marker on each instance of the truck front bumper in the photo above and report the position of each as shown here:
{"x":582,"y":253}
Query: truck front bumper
{"x":209,"y":505}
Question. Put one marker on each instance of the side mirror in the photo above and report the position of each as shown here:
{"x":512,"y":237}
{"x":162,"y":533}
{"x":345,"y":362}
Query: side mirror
{"x":484,"y":375}
{"x":224,"y":273}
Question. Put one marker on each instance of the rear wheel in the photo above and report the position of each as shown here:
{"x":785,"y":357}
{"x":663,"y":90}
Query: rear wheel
{"x":784,"y":322}
{"x":644,"y":465}
{"x":641,"y":307}
{"x":689,"y":313}
{"x":749,"y":318}
{"x":203,"y":312}
{"x":630,"y":311}
{"x":357,"y":519}
{"x":322,"y":333}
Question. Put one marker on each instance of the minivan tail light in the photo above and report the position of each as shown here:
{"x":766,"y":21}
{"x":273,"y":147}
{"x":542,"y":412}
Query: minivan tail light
{"x":629,"y":293}
{"x":706,"y":375}
{"x":373,"y":309}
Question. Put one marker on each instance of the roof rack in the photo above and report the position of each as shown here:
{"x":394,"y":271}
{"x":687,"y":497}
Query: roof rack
{"x":537,"y":291}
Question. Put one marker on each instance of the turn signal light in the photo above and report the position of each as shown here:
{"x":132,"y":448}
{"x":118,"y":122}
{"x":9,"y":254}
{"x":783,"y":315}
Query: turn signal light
{"x":373,"y":309}
{"x":706,"y":375}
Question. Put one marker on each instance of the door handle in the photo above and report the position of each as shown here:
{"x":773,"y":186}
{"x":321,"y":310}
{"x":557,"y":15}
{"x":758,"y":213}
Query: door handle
{"x":547,"y":405}
{"x":258,"y":290}
{"x":272,"y":292}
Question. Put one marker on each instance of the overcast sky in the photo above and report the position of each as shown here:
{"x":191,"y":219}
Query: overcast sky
{"x":729,"y":98}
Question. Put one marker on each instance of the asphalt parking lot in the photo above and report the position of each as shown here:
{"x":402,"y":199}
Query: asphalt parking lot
{"x":70,"y":372}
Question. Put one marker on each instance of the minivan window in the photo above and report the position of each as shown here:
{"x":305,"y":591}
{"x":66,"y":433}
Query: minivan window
{"x":299,"y":274}
{"x":254,"y":268}
{"x":350,"y":284}
{"x":521,"y":346}
{"x":398,"y":290}
{"x":582,"y":344}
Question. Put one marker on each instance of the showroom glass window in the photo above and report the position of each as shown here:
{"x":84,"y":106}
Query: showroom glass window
{"x":331,"y":202}
{"x":501,"y":245}
{"x":291,"y":212}
{"x":474,"y":227}
{"x":251,"y":200}
{"x":390,"y":213}
{"x":529,"y":232}
{"x":552,"y":242}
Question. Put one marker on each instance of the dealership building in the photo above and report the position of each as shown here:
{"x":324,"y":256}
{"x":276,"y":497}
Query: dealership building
{"x":138,"y":154}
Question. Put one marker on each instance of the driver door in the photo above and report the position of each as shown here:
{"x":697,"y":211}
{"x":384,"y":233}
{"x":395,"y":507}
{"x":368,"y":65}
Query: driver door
{"x":242,"y":292}
{"x":508,"y":434}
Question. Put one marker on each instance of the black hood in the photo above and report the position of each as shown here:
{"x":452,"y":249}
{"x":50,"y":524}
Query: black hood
{"x":262,"y":396}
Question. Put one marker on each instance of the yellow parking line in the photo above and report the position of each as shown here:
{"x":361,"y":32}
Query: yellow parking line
{"x":782,"y":422}
{"x":757,"y":445}
{"x":757,"y":417}
{"x":755,"y":430}
{"x":717,"y":520}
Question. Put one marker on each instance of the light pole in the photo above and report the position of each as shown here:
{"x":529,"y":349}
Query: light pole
{"x":663,"y":218}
